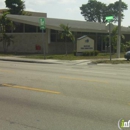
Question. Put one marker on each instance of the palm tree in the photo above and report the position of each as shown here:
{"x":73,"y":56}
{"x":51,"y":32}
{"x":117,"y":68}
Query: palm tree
{"x":7,"y":40}
{"x":125,"y":46}
{"x":66,"y":33}
{"x":114,"y":37}
{"x":5,"y":25}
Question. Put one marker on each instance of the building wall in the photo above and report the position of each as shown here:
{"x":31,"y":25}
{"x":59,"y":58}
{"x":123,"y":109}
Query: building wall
{"x":59,"y":48}
{"x":26,"y":43}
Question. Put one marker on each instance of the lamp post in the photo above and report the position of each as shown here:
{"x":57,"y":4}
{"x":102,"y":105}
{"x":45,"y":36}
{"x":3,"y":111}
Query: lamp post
{"x":119,"y":31}
{"x":109,"y":19}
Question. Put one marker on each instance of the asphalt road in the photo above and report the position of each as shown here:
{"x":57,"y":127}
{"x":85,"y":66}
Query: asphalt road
{"x":63,"y":97}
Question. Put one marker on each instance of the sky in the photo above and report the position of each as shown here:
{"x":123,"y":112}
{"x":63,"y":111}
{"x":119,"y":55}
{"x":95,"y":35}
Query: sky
{"x":66,"y":9}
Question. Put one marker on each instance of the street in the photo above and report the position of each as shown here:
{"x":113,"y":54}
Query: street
{"x":63,"y":97}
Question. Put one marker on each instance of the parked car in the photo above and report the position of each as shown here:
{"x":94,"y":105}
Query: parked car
{"x":127,"y":55}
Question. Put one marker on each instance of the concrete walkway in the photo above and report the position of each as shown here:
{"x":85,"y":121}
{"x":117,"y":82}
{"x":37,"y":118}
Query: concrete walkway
{"x":42,"y":61}
{"x":51,"y":61}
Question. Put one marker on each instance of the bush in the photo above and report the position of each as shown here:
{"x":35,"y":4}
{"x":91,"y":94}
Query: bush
{"x":74,"y":52}
{"x":90,"y":53}
{"x":85,"y":53}
{"x":96,"y":52}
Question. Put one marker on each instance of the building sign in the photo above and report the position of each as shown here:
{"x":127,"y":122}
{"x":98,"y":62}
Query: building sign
{"x":85,"y":44}
{"x":86,"y":47}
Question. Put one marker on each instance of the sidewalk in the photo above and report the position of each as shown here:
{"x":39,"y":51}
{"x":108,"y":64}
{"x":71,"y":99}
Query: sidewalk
{"x":51,"y":61}
{"x":42,"y":61}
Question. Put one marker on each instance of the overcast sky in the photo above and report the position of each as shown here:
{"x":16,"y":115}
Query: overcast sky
{"x":65,"y":9}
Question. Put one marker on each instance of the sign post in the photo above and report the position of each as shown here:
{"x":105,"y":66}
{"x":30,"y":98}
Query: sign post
{"x":109,"y":19}
{"x":42,"y":27}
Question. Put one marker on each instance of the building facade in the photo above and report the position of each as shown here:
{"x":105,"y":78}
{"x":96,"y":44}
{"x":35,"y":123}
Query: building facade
{"x":28,"y":37}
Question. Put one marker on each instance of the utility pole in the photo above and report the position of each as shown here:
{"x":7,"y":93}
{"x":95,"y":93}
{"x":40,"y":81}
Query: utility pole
{"x":119,"y":31}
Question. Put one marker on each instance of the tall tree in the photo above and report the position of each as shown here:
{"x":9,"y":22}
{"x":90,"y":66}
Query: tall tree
{"x":66,"y":33}
{"x":15,"y":6}
{"x":96,"y":11}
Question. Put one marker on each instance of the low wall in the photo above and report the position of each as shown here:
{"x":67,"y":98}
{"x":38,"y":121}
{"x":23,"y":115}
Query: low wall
{"x":59,"y":48}
{"x":25,"y":43}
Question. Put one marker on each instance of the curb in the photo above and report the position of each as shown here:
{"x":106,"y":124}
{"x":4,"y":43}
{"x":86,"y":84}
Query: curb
{"x":29,"y":61}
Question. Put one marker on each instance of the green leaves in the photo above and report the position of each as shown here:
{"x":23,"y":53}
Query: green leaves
{"x":15,"y":6}
{"x":5,"y":25}
{"x":66,"y":32}
{"x":114,"y":36}
{"x":96,"y":11}
{"x":125,"y":46}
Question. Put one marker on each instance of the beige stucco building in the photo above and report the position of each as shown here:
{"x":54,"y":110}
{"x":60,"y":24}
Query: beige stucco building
{"x":28,"y":38}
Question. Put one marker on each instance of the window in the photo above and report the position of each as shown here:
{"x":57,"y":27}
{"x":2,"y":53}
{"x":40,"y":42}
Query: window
{"x":30,"y":28}
{"x":53,"y":38}
{"x":18,"y":27}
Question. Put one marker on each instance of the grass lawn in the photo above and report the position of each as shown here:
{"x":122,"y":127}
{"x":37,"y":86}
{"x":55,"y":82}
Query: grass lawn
{"x":111,"y":62}
{"x":71,"y":56}
{"x":63,"y":56}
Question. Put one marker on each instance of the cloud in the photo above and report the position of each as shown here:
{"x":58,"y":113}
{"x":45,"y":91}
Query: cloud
{"x":73,"y":10}
{"x":38,"y":3}
{"x":67,"y":1}
{"x":2,"y":4}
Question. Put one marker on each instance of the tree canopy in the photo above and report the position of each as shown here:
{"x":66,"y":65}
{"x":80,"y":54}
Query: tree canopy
{"x":15,"y":6}
{"x":95,"y":11}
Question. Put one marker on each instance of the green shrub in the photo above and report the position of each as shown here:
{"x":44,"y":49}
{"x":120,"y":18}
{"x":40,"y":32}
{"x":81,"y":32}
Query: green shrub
{"x":91,"y":53}
{"x":74,"y":52}
{"x":88,"y":53}
{"x":96,"y":52}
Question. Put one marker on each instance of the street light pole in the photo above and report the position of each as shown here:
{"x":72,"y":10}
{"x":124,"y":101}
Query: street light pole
{"x":119,"y":31}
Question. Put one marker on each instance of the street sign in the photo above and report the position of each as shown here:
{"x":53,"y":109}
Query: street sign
{"x":42,"y":27}
{"x":109,"y":18}
{"x":42,"y":23}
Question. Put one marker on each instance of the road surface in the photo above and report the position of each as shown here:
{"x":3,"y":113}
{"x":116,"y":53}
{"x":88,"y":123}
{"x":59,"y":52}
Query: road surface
{"x":63,"y":97}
